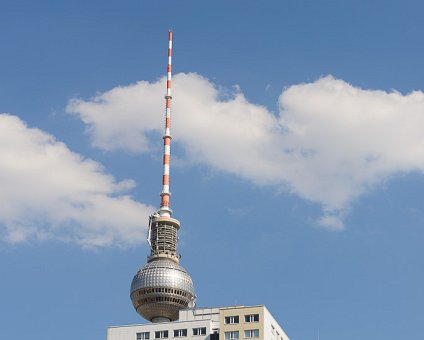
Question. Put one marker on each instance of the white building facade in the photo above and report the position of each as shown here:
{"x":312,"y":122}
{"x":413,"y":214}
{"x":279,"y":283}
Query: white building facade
{"x":225,"y":323}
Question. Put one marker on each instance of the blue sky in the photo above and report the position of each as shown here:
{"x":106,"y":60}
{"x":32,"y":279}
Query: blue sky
{"x":297,"y":169}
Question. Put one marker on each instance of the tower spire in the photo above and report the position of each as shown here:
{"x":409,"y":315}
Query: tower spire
{"x":165,"y":209}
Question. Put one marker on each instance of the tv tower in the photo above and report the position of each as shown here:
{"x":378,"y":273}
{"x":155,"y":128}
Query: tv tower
{"x":162,"y":287}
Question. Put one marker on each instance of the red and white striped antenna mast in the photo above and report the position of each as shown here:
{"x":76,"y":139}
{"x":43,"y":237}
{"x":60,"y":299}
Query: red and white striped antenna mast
{"x":165,"y":209}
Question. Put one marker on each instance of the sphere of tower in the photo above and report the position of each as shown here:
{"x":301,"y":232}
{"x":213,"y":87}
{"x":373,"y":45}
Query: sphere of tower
{"x":160,"y":289}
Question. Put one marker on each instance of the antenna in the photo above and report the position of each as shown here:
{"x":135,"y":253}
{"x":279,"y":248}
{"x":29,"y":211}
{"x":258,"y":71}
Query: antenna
{"x":165,"y":209}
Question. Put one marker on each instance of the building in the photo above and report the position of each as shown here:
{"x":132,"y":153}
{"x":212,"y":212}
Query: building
{"x":225,"y":323}
{"x":162,"y":291}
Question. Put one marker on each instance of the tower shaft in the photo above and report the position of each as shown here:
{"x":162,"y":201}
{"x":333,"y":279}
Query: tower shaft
{"x":163,"y":237}
{"x":162,"y":286}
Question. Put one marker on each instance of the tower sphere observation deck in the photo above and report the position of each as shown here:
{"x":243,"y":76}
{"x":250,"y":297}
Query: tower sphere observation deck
{"x":162,"y":287}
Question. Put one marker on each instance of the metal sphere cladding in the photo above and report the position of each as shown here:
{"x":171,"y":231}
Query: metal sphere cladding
{"x":160,"y":289}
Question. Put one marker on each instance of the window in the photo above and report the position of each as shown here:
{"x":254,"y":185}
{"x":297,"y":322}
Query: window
{"x":251,"y":318}
{"x":231,"y":335}
{"x":199,"y":331}
{"x":161,"y":334}
{"x":179,"y":333}
{"x":231,"y":319}
{"x":251,"y":333}
{"x":143,"y":336}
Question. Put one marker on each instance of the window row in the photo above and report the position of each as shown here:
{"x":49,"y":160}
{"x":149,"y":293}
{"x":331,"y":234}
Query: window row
{"x":235,"y":319}
{"x":248,"y":334}
{"x":178,"y":333}
{"x":163,"y":290}
{"x":151,"y":299}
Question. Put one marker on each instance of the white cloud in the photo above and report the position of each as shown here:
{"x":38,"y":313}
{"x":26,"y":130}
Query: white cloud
{"x":331,"y":222}
{"x":331,"y":143}
{"x":49,"y":192}
{"x":110,"y":116}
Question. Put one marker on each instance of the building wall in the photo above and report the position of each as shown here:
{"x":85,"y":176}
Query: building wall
{"x":188,"y":319}
{"x":242,"y":326}
{"x":272,"y":329}
{"x":214,"y":321}
{"x":130,"y":332}
{"x":200,"y":314}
